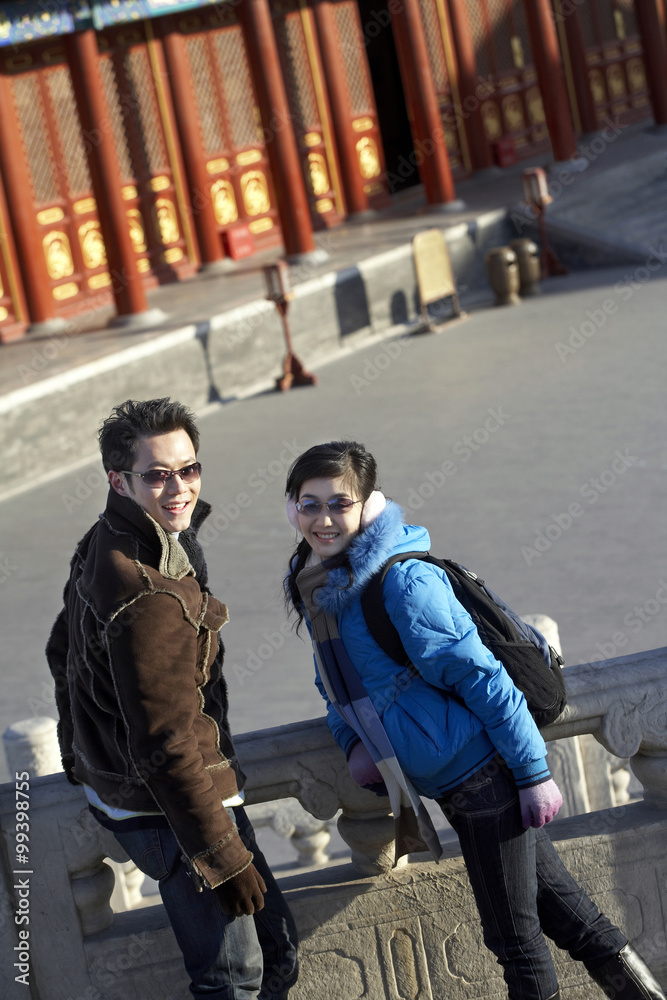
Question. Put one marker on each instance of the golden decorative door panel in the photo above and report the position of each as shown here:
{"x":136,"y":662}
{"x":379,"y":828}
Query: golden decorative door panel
{"x":13,"y":313}
{"x":59,"y":184}
{"x":363,"y":117}
{"x":614,"y":56}
{"x":441,"y":58}
{"x":311,"y":117}
{"x":140,"y":117}
{"x":232,"y":137}
{"x":511,"y":102}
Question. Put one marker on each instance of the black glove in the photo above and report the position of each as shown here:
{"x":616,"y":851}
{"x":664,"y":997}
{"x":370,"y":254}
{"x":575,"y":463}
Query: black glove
{"x":243,"y":894}
{"x":68,"y":761}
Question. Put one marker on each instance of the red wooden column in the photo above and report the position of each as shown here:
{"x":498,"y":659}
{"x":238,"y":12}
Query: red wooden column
{"x":21,"y":209}
{"x":199,"y":184}
{"x":655,"y":58}
{"x":577,"y":49}
{"x":126,"y":283}
{"x":255,"y":19}
{"x":550,"y":76}
{"x":428,"y":133}
{"x":14,"y":287}
{"x":327,"y":36}
{"x":471,"y":102}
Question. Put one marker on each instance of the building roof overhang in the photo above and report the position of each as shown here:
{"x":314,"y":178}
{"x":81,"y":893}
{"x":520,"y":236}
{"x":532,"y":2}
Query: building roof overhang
{"x":23,"y":21}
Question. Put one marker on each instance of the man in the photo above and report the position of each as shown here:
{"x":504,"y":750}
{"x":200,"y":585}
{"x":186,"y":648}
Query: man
{"x":137,"y":662}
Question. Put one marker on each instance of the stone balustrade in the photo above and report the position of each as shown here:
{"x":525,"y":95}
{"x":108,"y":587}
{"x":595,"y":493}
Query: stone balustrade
{"x":287,"y":818}
{"x":366,"y":930}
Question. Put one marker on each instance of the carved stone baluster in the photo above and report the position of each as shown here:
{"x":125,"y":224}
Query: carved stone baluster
{"x":91,"y":889}
{"x":366,"y":829}
{"x":288,"y":819}
{"x":32,"y":745}
{"x":371,"y":840}
{"x":87,"y":844}
{"x":311,"y":847}
{"x":634,"y":726}
{"x":127,"y":889}
{"x":651,"y":769}
{"x":620,"y":780}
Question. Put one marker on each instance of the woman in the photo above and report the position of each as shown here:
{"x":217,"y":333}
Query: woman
{"x":451,"y":726}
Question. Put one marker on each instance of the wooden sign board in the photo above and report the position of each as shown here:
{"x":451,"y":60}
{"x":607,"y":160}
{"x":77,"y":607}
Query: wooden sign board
{"x":435,"y":278}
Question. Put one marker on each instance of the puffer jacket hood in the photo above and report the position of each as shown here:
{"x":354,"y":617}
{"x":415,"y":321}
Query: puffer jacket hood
{"x":386,"y":535}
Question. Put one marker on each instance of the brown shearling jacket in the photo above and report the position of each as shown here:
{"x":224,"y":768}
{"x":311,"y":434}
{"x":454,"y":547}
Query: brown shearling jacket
{"x":137,"y":663}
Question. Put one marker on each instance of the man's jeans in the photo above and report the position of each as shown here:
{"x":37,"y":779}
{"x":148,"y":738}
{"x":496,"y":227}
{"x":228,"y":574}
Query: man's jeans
{"x":522,"y":888}
{"x":227,"y":958}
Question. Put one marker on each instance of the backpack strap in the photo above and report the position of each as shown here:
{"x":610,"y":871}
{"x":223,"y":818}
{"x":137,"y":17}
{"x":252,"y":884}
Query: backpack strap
{"x":379,"y":624}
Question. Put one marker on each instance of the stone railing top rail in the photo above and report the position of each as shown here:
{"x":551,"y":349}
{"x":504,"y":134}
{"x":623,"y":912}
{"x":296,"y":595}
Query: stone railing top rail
{"x":622,"y":702}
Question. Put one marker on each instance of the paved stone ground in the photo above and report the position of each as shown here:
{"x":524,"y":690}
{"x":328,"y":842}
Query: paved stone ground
{"x":548,"y":420}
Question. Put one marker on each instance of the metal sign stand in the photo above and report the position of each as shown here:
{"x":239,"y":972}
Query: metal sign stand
{"x":536,"y":194}
{"x":279,"y":290}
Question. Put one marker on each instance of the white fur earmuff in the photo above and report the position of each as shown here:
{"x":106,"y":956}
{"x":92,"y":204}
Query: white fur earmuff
{"x":375,"y":504}
{"x":292,"y":513}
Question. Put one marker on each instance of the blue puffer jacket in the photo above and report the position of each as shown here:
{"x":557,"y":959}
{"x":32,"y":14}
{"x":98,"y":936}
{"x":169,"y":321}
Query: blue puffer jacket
{"x":438,"y":740}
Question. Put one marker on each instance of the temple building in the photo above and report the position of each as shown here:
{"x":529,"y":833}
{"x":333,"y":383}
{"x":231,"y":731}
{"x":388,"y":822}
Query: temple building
{"x":143,"y":140}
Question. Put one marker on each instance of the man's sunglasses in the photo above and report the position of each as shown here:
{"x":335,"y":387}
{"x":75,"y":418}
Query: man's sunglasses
{"x":310,"y":508}
{"x":159,"y":477}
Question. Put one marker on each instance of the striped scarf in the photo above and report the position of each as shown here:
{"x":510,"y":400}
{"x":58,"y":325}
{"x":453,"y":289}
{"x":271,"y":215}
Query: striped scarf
{"x":414,"y":830}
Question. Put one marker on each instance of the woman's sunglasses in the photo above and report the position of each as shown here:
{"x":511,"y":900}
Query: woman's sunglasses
{"x":310,"y":508}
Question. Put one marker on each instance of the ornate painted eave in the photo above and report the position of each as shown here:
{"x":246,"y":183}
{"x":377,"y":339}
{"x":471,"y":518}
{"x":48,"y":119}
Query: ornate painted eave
{"x":25,"y":21}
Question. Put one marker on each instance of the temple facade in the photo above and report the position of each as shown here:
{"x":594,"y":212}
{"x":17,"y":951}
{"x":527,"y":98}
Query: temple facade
{"x":143,"y":140}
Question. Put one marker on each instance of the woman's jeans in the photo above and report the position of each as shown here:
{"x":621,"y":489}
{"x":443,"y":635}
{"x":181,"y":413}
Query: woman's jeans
{"x":522,"y":888}
{"x":227,"y":958}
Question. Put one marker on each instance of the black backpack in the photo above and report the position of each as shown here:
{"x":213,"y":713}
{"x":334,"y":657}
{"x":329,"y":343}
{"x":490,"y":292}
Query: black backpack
{"x":533,"y":665}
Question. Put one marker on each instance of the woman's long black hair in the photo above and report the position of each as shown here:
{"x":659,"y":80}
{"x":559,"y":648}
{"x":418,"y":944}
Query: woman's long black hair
{"x":345,"y":459}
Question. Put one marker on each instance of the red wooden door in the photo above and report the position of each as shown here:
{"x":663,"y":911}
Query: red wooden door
{"x":441,"y":57}
{"x":58,"y":182}
{"x":232,"y":138}
{"x":614,"y":56}
{"x":311,"y":116}
{"x":511,"y":102}
{"x":362,"y":116}
{"x":148,"y":153}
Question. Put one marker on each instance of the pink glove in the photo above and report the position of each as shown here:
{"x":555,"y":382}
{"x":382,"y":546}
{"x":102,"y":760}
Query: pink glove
{"x":540,"y":804}
{"x":361,"y":766}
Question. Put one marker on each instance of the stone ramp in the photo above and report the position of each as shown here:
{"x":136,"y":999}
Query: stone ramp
{"x":615,"y":211}
{"x":628,"y":204}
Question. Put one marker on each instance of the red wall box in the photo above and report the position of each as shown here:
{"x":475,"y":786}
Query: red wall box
{"x":504,"y":152}
{"x":238,"y":242}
